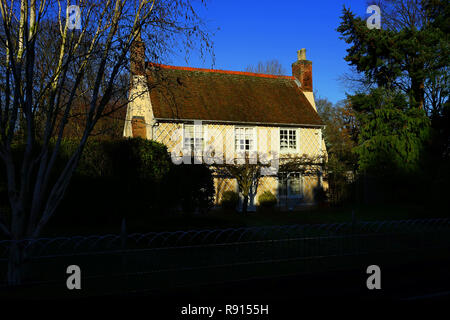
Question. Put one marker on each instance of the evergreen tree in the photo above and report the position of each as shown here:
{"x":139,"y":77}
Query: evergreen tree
{"x":392,"y":134}
{"x":405,"y":69}
{"x":407,"y":54}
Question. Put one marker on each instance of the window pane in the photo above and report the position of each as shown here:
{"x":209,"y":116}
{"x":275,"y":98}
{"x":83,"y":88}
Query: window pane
{"x":293,"y":140}
{"x":283,"y":143}
{"x":288,"y":139}
{"x":198,"y":131}
{"x":294,"y":184}
{"x":188,"y":130}
{"x":187,"y":143}
{"x":244,"y":139}
{"x":193,"y":136}
{"x":291,"y":144}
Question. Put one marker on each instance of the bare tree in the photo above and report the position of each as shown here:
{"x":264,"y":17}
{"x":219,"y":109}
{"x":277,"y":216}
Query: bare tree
{"x":47,"y":68}
{"x":273,"y":67}
{"x":401,"y":14}
{"x":246,"y":171}
{"x":303,"y":163}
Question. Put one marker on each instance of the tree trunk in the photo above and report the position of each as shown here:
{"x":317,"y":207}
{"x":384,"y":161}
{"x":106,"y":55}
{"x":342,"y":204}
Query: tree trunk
{"x":16,"y":264}
{"x":245,"y":204}
{"x":417,"y":87}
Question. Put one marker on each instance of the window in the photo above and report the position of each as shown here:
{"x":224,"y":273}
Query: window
{"x":193,"y":137}
{"x":288,"y":140}
{"x":244,"y":139}
{"x":290,"y":185}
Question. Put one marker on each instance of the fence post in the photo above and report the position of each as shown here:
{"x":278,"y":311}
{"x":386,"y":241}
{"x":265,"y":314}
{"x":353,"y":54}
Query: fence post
{"x":353,"y":220}
{"x":354,"y":241}
{"x":123,"y":234}
{"x":123,"y":240}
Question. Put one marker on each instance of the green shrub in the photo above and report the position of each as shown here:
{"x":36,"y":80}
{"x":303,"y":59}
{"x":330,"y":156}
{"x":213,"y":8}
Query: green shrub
{"x":267,"y":200}
{"x":230,"y":200}
{"x":191,"y":186}
{"x":320,"y":195}
{"x":125,"y":178}
{"x":116,"y":179}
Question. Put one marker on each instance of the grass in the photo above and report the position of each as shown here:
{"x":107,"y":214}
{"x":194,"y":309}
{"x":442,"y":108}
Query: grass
{"x":171,"y":282}
{"x":217,"y":219}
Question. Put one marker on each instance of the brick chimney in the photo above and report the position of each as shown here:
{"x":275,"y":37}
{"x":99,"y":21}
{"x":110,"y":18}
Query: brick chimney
{"x":137,"y":57}
{"x":138,"y":127}
{"x":302,"y":70}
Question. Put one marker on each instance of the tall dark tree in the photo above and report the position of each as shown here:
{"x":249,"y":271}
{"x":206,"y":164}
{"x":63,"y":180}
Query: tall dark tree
{"x":392,"y":136}
{"x":404,"y":66}
{"x":408,"y":52}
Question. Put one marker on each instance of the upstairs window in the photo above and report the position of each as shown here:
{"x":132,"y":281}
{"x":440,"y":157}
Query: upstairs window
{"x":288,"y":140}
{"x":244,"y":139}
{"x":193,"y":137}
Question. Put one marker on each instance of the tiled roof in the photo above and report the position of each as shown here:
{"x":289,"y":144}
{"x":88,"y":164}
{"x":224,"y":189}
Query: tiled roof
{"x":227,"y":96}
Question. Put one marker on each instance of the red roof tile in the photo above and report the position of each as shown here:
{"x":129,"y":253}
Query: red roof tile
{"x":230,"y":96}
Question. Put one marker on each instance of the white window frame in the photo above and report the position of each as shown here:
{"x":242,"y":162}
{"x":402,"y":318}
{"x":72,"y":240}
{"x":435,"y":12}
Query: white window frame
{"x":297,"y":138}
{"x":255,"y":140}
{"x":195,"y":132}
{"x":293,"y":196}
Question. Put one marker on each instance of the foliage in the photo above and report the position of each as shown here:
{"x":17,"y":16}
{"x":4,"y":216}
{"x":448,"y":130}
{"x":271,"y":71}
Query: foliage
{"x":340,"y":134}
{"x":404,"y":67}
{"x":320,"y":195}
{"x":138,"y":159}
{"x":403,"y":54}
{"x":230,"y":200}
{"x":341,"y":129}
{"x":131,"y":178}
{"x":192,"y":186}
{"x":267,"y":200}
{"x":339,"y":179}
{"x":392,"y":135}
{"x":115,"y":179}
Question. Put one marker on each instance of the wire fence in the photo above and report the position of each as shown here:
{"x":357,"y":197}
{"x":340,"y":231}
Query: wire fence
{"x":138,"y":253}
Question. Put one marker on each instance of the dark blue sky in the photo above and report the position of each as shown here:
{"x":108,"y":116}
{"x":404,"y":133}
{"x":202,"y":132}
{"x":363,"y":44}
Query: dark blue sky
{"x":252,"y":31}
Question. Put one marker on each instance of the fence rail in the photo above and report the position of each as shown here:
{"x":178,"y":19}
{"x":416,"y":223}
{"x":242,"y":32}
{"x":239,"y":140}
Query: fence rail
{"x":158,"y":251}
{"x":41,"y":247}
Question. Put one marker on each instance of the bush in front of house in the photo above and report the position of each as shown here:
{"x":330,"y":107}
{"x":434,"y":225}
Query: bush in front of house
{"x":115,"y":179}
{"x":130,"y":178}
{"x":320,"y":195}
{"x":230,"y":200}
{"x":191,"y":186}
{"x":267,"y":200}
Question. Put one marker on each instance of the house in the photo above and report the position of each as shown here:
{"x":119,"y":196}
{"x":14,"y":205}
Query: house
{"x":230,"y":112}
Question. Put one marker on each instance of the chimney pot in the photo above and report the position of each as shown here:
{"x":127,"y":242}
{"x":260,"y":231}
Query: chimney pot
{"x":301,"y":54}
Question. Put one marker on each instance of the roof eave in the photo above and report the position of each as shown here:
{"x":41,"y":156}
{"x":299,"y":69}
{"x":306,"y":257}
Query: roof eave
{"x":274,"y":124}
